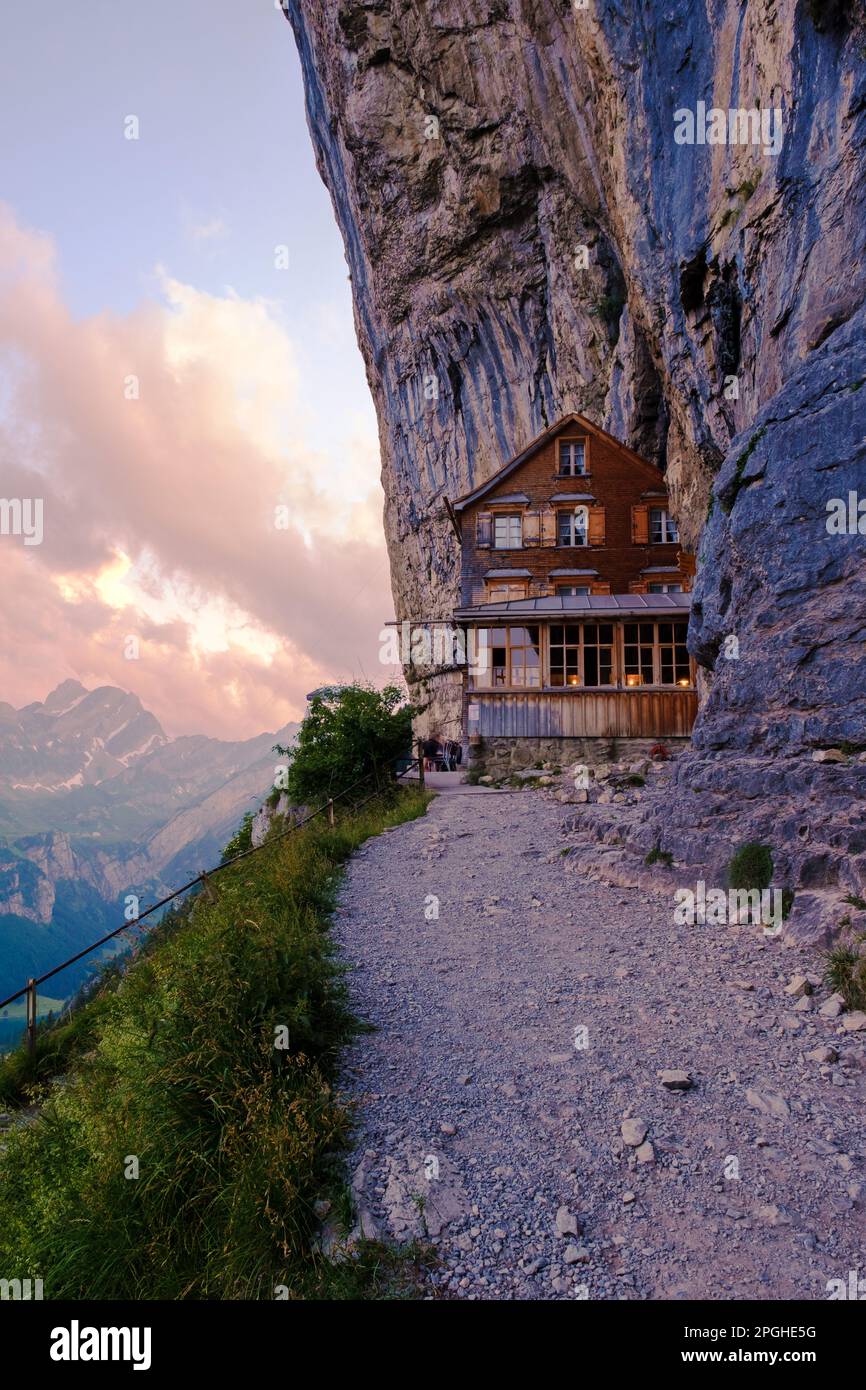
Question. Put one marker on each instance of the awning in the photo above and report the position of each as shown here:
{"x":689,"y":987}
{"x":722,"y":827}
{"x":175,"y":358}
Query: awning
{"x":581,"y":605}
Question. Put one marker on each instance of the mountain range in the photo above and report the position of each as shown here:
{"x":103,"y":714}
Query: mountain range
{"x":97,"y":802}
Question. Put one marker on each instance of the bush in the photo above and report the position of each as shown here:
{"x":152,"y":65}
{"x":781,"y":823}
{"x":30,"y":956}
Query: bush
{"x":751,"y":867}
{"x":351,"y":734}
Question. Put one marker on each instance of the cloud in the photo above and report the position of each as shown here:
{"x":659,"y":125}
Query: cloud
{"x":190,"y":497}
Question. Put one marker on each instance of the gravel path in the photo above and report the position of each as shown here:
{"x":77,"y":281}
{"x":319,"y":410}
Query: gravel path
{"x":489,"y":1125}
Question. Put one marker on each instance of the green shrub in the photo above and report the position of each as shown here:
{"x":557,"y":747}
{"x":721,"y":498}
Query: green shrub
{"x":351,"y":734}
{"x":751,"y":866}
{"x":659,"y":856}
{"x":845,"y":973}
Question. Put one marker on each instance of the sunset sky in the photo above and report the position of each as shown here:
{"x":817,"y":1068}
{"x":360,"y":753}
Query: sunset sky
{"x":164,"y":385}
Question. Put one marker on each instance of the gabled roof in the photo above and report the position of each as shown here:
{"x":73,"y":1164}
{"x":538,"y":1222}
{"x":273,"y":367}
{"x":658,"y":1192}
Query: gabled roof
{"x":540,"y":440}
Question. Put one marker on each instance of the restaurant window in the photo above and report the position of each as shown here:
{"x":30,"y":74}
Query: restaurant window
{"x":656,"y":654}
{"x":572,"y":590}
{"x":507,"y":532}
{"x":572,"y":458}
{"x":581,"y":654}
{"x":663,"y":528}
{"x":513,"y":658}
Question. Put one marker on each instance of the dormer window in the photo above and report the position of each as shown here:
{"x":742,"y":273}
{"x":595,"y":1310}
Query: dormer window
{"x":508,"y":532}
{"x":572,"y":458}
{"x":662,"y":527}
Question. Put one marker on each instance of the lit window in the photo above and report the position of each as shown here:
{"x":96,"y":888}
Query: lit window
{"x":663,"y":528}
{"x":572,"y":458}
{"x":507,"y":532}
{"x":581,"y":654}
{"x":656,"y":654}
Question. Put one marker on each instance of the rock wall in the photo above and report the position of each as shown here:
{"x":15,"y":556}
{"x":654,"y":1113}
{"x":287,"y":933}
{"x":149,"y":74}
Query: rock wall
{"x":526,"y":236}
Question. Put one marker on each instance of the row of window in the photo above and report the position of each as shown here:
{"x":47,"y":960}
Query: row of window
{"x":583,"y":655}
{"x":510,"y":591}
{"x":572,"y":528}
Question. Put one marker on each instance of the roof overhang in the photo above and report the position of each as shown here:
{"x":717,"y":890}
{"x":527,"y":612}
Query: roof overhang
{"x":558,"y":606}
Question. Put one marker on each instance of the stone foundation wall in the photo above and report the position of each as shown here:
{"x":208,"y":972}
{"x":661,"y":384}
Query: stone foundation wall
{"x":498,"y":757}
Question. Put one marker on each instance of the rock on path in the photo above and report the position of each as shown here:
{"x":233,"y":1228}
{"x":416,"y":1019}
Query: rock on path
{"x":517,"y":1031}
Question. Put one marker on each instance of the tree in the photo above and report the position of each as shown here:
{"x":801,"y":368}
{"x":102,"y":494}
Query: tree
{"x":351,"y":734}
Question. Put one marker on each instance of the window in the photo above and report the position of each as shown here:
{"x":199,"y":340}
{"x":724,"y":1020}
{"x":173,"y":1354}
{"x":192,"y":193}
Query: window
{"x":572,"y":590}
{"x":572,"y":527}
{"x":656,"y":654}
{"x":639,"y":666}
{"x":572,"y":458}
{"x":581,"y":654}
{"x":513,"y":658}
{"x":675,"y":669}
{"x":507,"y":532}
{"x":663,"y":528}
{"x":664,"y":588}
{"x":503,"y":592}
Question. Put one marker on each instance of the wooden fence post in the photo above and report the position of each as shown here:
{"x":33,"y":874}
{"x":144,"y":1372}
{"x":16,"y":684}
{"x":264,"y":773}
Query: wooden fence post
{"x":31,"y":1015}
{"x":330,"y":811}
{"x":420,"y":764}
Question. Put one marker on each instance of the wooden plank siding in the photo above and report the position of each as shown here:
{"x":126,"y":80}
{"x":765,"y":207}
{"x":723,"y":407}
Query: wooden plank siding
{"x":587,"y":714}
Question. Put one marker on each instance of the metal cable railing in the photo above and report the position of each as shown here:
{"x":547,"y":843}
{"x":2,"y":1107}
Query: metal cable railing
{"x":204,"y":878}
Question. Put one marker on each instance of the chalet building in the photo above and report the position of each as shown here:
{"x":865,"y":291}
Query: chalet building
{"x":576,"y":592}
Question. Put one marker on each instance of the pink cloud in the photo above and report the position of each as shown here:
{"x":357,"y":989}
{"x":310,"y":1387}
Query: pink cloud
{"x":184,"y":481}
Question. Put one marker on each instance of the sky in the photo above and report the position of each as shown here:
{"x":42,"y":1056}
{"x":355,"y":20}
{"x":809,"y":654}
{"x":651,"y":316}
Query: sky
{"x":180,"y":386}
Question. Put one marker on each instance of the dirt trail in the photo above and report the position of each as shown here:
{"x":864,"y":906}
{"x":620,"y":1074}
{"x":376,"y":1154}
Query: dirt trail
{"x":488,"y":1123}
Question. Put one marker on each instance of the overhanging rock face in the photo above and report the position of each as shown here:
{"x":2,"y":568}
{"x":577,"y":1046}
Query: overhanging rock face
{"x":529,"y":233}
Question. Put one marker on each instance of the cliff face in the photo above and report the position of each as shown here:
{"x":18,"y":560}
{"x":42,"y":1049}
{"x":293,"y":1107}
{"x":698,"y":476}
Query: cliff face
{"x":527,"y":233}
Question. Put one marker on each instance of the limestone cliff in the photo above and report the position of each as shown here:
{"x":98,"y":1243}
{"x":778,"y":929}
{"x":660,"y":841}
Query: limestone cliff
{"x":714,"y":320}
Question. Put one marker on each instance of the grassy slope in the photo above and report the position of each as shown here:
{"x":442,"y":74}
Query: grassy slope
{"x":235,"y":1138}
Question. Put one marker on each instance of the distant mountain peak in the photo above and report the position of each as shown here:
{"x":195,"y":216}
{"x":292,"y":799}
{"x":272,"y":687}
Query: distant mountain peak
{"x":64,"y":696}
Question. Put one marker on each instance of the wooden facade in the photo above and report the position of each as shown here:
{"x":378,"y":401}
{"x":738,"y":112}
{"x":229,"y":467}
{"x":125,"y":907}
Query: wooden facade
{"x":575,"y":584}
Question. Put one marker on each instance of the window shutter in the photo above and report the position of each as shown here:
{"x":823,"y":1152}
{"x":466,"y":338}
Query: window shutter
{"x":640,"y":525}
{"x":531,"y":528}
{"x":596,"y":525}
{"x":599,"y":586}
{"x":548,"y":526}
{"x":639,"y":586}
{"x":484,"y":529}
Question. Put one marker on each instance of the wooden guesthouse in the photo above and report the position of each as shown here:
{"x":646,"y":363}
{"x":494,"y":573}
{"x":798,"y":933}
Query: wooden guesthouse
{"x":575,"y":594}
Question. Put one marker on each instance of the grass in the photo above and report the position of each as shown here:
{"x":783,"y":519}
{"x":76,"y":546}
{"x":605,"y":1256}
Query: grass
{"x":659,"y":856}
{"x":846,"y":975}
{"x":751,"y":866}
{"x":737,"y":482}
{"x":174,"y":1064}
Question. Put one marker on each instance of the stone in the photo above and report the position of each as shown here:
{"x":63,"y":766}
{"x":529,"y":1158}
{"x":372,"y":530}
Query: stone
{"x":854,"y":1022}
{"x":675,"y":1080}
{"x":797,"y":986}
{"x":823,"y":1054}
{"x":645,"y":1153}
{"x":575,"y":1254}
{"x":566,"y":1223}
{"x":832,"y":1007}
{"x":448,"y":1128}
{"x":634,"y":1132}
{"x":769,"y":1103}
{"x":804,"y":1004}
{"x":828,"y":755}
